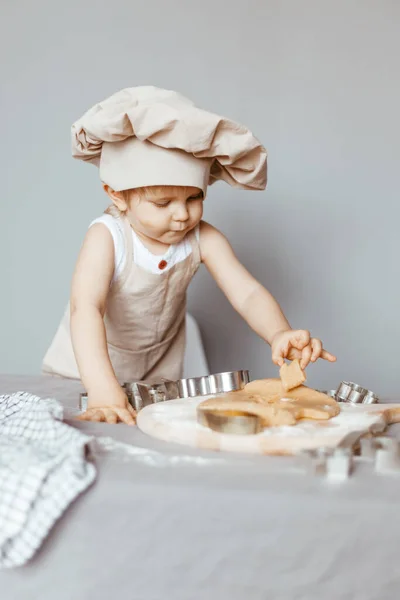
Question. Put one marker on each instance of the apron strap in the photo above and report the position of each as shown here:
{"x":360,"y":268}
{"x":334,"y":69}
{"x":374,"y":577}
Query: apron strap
{"x":128,"y":240}
{"x":128,"y":243}
{"x":195,"y":246}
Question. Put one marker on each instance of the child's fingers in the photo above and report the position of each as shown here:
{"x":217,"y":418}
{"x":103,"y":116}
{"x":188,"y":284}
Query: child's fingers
{"x":97,"y":416}
{"x":132,"y":410}
{"x":125,"y":416}
{"x":305,"y":356}
{"x":300,"y":338}
{"x":293,"y":353}
{"x":277,"y":360}
{"x":277,"y":357}
{"x":110,"y":416}
{"x":82,"y":417}
{"x":86,"y":416}
{"x":316,"y":346}
{"x":279,"y":354}
{"x":328,"y":356}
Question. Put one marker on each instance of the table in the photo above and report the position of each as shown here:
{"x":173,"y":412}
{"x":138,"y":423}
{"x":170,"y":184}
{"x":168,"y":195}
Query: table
{"x":166,"y":522}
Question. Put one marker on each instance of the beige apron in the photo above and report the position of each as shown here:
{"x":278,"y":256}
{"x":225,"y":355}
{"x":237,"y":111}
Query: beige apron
{"x":144,"y":321}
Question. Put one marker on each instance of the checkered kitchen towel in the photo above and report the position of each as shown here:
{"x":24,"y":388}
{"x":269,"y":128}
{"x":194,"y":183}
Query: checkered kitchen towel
{"x":43,"y":468}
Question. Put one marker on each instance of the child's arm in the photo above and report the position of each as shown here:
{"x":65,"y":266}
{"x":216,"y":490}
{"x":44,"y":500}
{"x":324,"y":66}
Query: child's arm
{"x":254,"y":303}
{"x":90,"y":286}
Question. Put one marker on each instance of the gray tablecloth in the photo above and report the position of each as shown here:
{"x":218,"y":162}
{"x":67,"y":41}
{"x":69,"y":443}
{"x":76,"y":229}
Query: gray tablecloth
{"x":166,"y":522}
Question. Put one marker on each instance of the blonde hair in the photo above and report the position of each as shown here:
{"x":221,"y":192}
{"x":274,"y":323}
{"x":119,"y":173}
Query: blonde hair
{"x":143,"y":193}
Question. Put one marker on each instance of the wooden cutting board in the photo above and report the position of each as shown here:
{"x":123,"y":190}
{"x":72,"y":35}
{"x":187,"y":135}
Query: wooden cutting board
{"x":176,"y":421}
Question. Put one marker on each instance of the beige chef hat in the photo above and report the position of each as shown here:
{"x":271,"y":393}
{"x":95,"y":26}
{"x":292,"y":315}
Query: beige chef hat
{"x":147,"y":136}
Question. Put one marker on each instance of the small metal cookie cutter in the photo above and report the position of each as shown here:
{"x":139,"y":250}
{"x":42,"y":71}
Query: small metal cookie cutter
{"x":139,"y":394}
{"x":355,"y":394}
{"x":385,"y":452}
{"x":328,"y":462}
{"x":142,"y":393}
{"x":332,"y":463}
{"x":336,"y":464}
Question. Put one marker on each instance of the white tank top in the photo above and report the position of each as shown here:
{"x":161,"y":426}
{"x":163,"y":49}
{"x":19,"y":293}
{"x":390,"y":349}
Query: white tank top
{"x":141,"y":255}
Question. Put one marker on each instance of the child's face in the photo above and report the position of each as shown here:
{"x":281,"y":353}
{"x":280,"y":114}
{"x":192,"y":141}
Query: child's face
{"x":165,"y":214}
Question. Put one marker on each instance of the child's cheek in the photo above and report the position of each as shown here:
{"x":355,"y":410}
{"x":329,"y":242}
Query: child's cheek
{"x":197,"y":212}
{"x":151,"y":218}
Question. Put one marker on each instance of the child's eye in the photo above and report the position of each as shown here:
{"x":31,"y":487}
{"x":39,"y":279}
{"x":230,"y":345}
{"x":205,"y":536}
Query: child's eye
{"x":161,"y":205}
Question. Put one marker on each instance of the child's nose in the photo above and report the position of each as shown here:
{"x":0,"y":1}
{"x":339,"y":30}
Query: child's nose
{"x":181,"y":213}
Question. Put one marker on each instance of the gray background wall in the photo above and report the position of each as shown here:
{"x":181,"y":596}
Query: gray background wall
{"x":317,"y":81}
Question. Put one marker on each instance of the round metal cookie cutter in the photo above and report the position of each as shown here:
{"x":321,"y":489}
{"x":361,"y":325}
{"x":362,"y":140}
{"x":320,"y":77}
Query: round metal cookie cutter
{"x":231,"y":422}
{"x":142,"y":393}
{"x":219,"y":383}
{"x":353,"y":393}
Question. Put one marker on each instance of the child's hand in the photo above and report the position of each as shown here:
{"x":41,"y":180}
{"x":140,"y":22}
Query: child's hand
{"x":111,"y":410}
{"x":299,"y":344}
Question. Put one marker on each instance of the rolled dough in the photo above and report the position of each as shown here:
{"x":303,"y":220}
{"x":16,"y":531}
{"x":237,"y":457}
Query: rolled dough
{"x":267,"y":399}
{"x":271,"y":415}
{"x":271,"y":390}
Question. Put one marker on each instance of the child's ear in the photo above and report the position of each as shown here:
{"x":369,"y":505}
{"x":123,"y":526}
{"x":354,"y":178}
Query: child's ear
{"x":117,"y":198}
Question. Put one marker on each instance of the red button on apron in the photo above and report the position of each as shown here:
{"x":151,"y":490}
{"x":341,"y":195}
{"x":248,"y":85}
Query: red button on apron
{"x":162,"y":264}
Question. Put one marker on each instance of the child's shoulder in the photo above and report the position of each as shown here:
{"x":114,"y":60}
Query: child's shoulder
{"x":206,"y":230}
{"x":107,"y":220}
{"x":115,"y":228}
{"x":113,"y":224}
{"x":212,"y":240}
